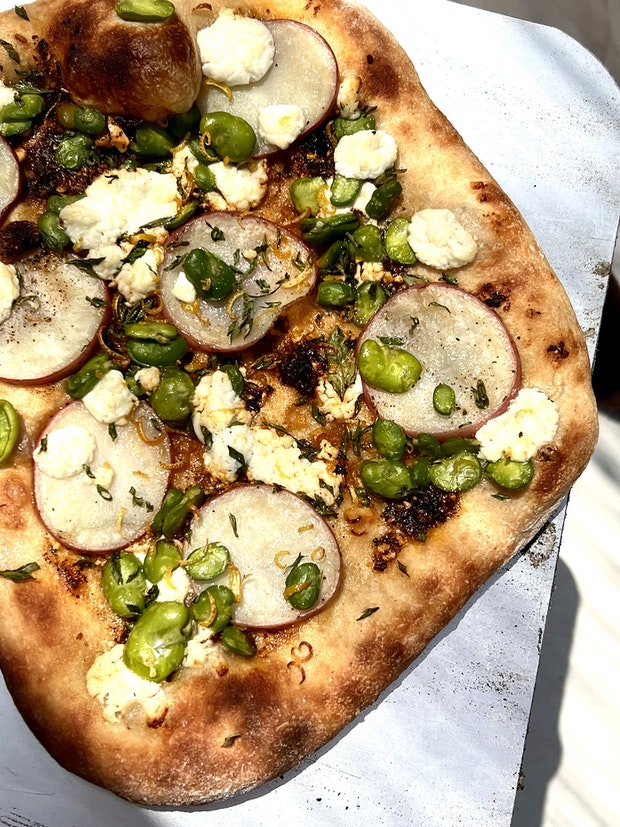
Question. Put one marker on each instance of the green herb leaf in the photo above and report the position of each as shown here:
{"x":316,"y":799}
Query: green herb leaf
{"x":367,"y":612}
{"x":21,"y":574}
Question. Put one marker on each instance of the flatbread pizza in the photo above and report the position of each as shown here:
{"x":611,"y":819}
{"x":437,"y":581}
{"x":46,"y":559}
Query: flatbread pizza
{"x":285,"y":378}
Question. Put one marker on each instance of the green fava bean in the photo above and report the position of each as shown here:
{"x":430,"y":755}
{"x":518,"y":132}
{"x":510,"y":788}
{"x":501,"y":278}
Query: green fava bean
{"x":332,"y":293}
{"x":153,"y":141}
{"x":156,"y":645}
{"x":419,"y":472}
{"x":319,"y":231}
{"x":344,"y":191}
{"x":212,"y":278}
{"x":369,"y":298}
{"x":383,"y":199}
{"x":214,"y":604}
{"x":25,"y":108}
{"x":237,"y":641}
{"x":230,"y":136}
{"x":89,"y":121}
{"x":305,"y":192}
{"x":144,"y":11}
{"x":75,"y":152}
{"x":388,"y":368}
{"x":368,"y":243}
{"x":346,"y":126}
{"x":204,"y":178}
{"x":389,"y":439}
{"x":10,"y":128}
{"x":386,"y":477}
{"x":458,"y":472}
{"x":172,"y":399}
{"x":124,"y":584}
{"x":444,"y":400}
{"x":510,"y":474}
{"x":184,"y":123}
{"x":175,"y":509}
{"x":150,"y":353}
{"x":52,"y":232}
{"x":397,"y":242}
{"x":207,"y":562}
{"x":303,"y":586}
{"x":335,"y":258}
{"x":160,"y":559}
{"x":88,"y":375}
{"x":9,"y":429}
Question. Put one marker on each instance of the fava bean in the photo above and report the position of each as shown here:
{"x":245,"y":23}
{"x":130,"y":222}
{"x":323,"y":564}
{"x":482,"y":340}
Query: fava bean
{"x":184,"y":123}
{"x":510,"y":474}
{"x":219,"y":598}
{"x":344,"y":191}
{"x":347,"y":126}
{"x":388,"y":368}
{"x":368,"y":243}
{"x":204,"y":178}
{"x":383,"y":199}
{"x":172,"y":399}
{"x":160,"y":559}
{"x":369,"y":298}
{"x":124,"y":584}
{"x":80,"y":383}
{"x":333,"y":293}
{"x":212,"y":278}
{"x":389,"y":439}
{"x":153,"y":141}
{"x":444,"y":400}
{"x":419,"y":471}
{"x":52,"y":232}
{"x":150,"y":353}
{"x":89,"y":121}
{"x":319,"y":231}
{"x":386,"y":477}
{"x":458,"y":472}
{"x":397,"y":242}
{"x":144,"y":11}
{"x":75,"y":152}
{"x":207,"y":562}
{"x":305,"y":192}
{"x":238,"y":641}
{"x":303,"y":586}
{"x":9,"y":429}
{"x":175,"y":509}
{"x":156,"y":645}
{"x":230,"y":136}
{"x":24,"y":108}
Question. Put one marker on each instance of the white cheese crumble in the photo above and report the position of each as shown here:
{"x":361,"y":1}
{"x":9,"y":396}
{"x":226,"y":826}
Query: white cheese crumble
{"x":103,"y":476}
{"x":149,"y":378}
{"x":369,"y":271}
{"x":110,"y":401}
{"x":280,"y":123}
{"x":174,"y":585}
{"x":119,"y":690}
{"x":9,"y":289}
{"x":65,"y":451}
{"x":365,"y":154}
{"x":332,"y":406}
{"x":184,"y":290}
{"x":199,"y":647}
{"x":183,"y":160}
{"x":439,"y":240}
{"x":348,"y":99}
{"x":140,"y":278}
{"x":7,"y":95}
{"x":243,"y":188}
{"x":235,"y":50}
{"x":276,"y":460}
{"x":217,"y":405}
{"x":115,"y":205}
{"x":218,"y":460}
{"x":530,"y":422}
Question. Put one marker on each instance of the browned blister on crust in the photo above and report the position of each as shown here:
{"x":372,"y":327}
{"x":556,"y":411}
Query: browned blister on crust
{"x":231,"y":724}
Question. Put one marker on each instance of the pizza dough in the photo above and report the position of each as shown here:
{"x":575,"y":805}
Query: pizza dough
{"x":224,"y":723}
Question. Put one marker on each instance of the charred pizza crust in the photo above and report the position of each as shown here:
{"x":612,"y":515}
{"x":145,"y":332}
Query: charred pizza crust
{"x":234,"y":723}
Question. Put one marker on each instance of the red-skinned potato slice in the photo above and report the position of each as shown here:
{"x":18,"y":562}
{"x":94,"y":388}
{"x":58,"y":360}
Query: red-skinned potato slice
{"x":265,"y":528}
{"x":304,"y":72}
{"x":459,"y":342}
{"x":95,"y":517}
{"x":54,"y":323}
{"x":276,"y":276}
{"x":9,"y":177}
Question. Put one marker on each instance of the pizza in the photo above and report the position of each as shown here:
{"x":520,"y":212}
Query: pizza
{"x":284,"y":379}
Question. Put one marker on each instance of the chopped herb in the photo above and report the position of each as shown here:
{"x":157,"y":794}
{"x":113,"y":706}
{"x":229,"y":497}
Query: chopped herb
{"x":392,"y":341}
{"x":367,"y":612}
{"x":138,"y":501}
{"x":402,"y":567}
{"x":437,"y":304}
{"x":43,"y":444}
{"x":87,"y":265}
{"x":21,"y":574}
{"x":20,"y":11}
{"x":95,"y":301}
{"x":228,"y":742}
{"x":318,"y":415}
{"x":233,"y":523}
{"x":87,"y":470}
{"x":238,"y":457}
{"x":480,"y":395}
{"x":112,"y":431}
{"x":449,"y":279}
{"x":10,"y":49}
{"x":104,"y":493}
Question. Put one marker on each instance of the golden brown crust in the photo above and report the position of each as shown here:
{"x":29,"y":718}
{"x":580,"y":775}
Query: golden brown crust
{"x":233,"y":724}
